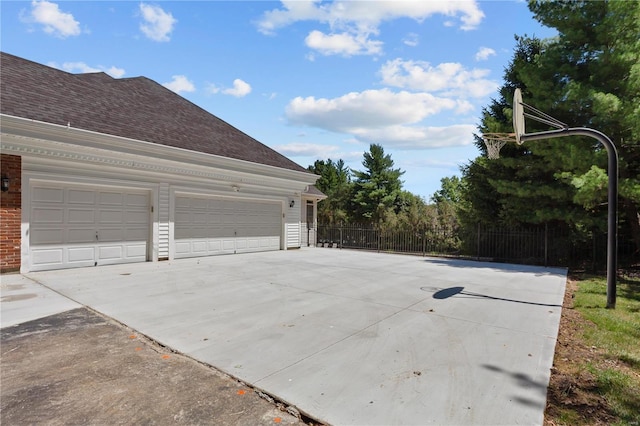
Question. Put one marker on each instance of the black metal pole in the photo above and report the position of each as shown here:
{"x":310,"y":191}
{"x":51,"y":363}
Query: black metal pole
{"x":612,"y":225}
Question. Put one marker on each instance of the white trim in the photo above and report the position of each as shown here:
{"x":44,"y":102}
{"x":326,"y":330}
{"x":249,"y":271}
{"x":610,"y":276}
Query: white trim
{"x":21,"y":129}
{"x":64,"y":155}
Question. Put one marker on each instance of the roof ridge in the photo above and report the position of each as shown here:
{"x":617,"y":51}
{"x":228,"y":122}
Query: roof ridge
{"x":133,"y":107}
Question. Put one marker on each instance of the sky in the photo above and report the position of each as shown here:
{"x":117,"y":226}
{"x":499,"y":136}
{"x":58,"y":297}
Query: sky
{"x":314,"y":80}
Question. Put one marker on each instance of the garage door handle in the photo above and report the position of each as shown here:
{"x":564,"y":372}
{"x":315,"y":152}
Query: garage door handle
{"x":96,"y":235}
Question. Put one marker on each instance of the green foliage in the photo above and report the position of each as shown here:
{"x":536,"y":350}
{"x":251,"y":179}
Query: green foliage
{"x":589,"y":76}
{"x":617,"y":332}
{"x":376,"y":196}
{"x":335,"y":182}
{"x":450,"y":191}
{"x":378,"y":187}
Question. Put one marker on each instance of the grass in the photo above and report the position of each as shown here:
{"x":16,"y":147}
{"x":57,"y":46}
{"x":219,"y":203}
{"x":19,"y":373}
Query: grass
{"x":615,"y":334}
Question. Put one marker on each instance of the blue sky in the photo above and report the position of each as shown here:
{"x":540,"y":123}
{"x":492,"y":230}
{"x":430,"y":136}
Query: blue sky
{"x":313,"y":80}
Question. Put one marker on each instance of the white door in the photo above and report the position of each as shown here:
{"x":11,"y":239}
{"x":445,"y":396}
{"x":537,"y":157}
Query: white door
{"x":205,"y":226}
{"x":77,"y":226}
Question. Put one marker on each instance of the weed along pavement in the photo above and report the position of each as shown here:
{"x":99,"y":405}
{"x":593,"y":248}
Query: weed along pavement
{"x":347,"y":337}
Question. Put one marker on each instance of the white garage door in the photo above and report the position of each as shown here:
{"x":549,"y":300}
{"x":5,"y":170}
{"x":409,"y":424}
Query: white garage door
{"x":75,"y":226}
{"x":209,"y":226}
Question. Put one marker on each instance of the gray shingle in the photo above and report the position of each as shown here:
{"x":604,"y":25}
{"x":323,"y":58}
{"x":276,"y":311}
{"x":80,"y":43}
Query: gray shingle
{"x":137,"y":108}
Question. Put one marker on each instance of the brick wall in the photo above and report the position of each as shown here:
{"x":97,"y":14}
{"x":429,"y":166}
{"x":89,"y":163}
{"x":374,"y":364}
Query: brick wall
{"x":10,"y":213}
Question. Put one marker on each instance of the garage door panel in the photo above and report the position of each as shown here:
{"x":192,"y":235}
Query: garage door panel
{"x":81,"y":196}
{"x":52,"y":215}
{"x":135,"y":234}
{"x":106,"y":235}
{"x":73,"y":226}
{"x":111,"y":198}
{"x":136,"y":217}
{"x":47,"y":236}
{"x":136,"y":252}
{"x":226,"y":225}
{"x":47,"y":195}
{"x":110,"y":217}
{"x":214,"y":246}
{"x":199,"y":246}
{"x":199,"y":218}
{"x":182,"y":248}
{"x":137,"y":200}
{"x":80,"y":216}
{"x":79,"y":235}
{"x":48,"y":257}
{"x":228,"y":245}
{"x":110,"y":252}
{"x":81,"y":254}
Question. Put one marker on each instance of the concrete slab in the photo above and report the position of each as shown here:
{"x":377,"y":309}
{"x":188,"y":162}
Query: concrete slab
{"x":350,"y":337}
{"x":22,"y":300}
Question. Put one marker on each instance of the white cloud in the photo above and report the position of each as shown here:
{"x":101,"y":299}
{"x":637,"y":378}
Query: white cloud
{"x":367,"y":14}
{"x":419,"y":137}
{"x":484,"y":53}
{"x":81,"y":67}
{"x":298,"y":149}
{"x":363,"y":110}
{"x":450,"y":78}
{"x":434,"y":164}
{"x":411,"y":39}
{"x":368,"y":117}
{"x":179,"y":84}
{"x":115,"y":72}
{"x":344,"y":44}
{"x":240,"y":88}
{"x":352,"y":23}
{"x":212,"y":89}
{"x":157,"y":24}
{"x":54,"y":21}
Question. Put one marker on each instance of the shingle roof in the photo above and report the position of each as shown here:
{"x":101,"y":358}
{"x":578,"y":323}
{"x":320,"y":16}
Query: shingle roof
{"x":136,"y":108}
{"x":313,"y":190}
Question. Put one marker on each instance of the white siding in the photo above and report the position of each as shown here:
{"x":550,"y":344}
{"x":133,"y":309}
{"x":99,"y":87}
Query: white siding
{"x":163,"y":221}
{"x":292,"y":224}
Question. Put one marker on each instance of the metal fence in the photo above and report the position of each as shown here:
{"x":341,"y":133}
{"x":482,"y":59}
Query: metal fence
{"x":536,"y":245}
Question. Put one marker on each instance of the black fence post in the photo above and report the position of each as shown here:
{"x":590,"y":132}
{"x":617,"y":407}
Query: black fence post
{"x":546,"y":244}
{"x":478,"y":243}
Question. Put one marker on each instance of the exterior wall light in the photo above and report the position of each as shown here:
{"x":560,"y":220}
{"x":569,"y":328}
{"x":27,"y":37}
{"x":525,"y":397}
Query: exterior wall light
{"x":292,"y":203}
{"x":5,"y":183}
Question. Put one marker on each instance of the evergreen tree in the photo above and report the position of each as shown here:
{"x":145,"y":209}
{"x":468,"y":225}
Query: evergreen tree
{"x":589,"y":75}
{"x":335,"y":183}
{"x":377,"y":188}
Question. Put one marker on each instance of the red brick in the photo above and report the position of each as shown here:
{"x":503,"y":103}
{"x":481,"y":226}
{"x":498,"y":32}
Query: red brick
{"x":10,"y":213}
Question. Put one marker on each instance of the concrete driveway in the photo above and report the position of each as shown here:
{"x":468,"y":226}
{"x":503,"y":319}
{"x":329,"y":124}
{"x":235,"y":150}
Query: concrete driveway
{"x":349,"y":337}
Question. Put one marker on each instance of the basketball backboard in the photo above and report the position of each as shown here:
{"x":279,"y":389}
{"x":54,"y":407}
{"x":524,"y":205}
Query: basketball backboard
{"x":518,"y":115}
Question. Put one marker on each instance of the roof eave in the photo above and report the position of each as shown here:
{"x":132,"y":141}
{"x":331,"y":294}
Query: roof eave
{"x":66,"y":134}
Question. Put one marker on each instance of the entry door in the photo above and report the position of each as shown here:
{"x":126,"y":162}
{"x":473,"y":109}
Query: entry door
{"x":77,"y":226}
{"x":206,"y":226}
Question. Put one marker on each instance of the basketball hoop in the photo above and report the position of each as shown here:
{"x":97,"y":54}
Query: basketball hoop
{"x":521,"y":111}
{"x":495,"y":141}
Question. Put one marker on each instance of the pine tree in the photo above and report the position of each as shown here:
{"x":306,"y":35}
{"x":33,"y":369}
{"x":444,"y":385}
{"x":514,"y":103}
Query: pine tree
{"x":589,"y":75}
{"x":377,"y":188}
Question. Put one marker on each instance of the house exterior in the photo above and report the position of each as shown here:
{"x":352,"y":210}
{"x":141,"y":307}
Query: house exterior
{"x":99,"y":171}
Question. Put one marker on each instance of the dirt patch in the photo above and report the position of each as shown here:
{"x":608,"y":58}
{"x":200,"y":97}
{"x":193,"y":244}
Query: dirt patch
{"x":81,"y":368}
{"x":571,"y":387}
